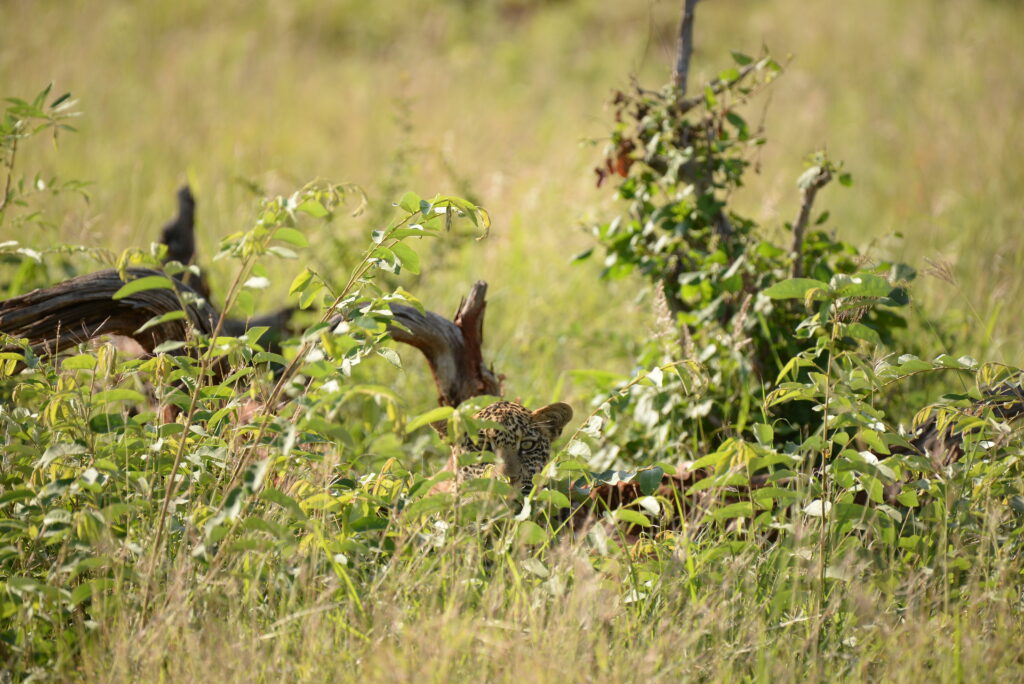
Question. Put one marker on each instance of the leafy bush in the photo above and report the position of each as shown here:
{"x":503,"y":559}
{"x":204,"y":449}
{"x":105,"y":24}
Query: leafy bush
{"x":676,"y":162}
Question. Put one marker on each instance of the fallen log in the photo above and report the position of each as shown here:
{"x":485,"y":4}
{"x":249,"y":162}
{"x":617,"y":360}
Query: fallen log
{"x":57,"y":318}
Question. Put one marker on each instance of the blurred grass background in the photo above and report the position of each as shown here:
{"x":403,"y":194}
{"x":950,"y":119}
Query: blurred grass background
{"x":496,"y":100}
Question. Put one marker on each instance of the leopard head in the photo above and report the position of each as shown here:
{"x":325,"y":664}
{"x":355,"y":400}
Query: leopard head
{"x":522,"y":445}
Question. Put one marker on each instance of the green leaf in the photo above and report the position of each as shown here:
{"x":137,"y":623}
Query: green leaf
{"x":282,"y":252}
{"x":633,"y":517}
{"x":431,"y":416}
{"x":729,"y":75}
{"x":487,"y":484}
{"x":412,"y":231}
{"x":860,"y":331}
{"x":153,"y":282}
{"x":391,"y":356}
{"x":81,"y":592}
{"x":910,"y":364}
{"x":709,"y":97}
{"x":794,"y":288}
{"x":650,"y":479}
{"x":269,"y":357}
{"x":764,"y":434}
{"x":117,"y":395}
{"x":255,"y":333}
{"x":851,"y":512}
{"x":554,"y":497}
{"x":106,"y":422}
{"x":741,"y":509}
{"x":531,"y":533}
{"x":163,"y":318}
{"x":307,"y":297}
{"x":862,"y":285}
{"x":16,"y":495}
{"x":281,"y":499}
{"x":431,"y":503}
{"x":874,"y":487}
{"x":410,"y":202}
{"x":79,"y":362}
{"x":301,"y":281}
{"x":407,"y":257}
{"x":168,"y":346}
{"x":370,"y":522}
{"x":908,"y":498}
{"x":314,"y":208}
{"x":741,"y":58}
{"x":384,"y":254}
{"x":291,"y":236}
{"x":585,"y":254}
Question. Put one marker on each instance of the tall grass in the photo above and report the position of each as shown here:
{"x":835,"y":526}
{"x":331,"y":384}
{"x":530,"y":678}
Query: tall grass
{"x":436,"y":620}
{"x":496,"y":101}
{"x":919,"y":99}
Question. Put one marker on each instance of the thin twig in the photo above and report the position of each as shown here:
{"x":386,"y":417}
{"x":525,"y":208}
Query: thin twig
{"x":307,"y":346}
{"x":717,"y":86}
{"x":205,"y":366}
{"x":808,"y":193}
{"x":10,"y":176}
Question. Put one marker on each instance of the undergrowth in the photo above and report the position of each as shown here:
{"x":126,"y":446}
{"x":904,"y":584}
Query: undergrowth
{"x":282,"y":523}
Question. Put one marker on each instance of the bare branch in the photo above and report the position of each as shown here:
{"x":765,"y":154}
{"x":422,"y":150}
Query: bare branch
{"x":718,"y":86}
{"x":685,"y":46}
{"x":808,"y":192}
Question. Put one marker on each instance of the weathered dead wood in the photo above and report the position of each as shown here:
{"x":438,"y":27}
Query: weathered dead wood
{"x":453,"y":348}
{"x":57,"y":318}
{"x":179,"y":235}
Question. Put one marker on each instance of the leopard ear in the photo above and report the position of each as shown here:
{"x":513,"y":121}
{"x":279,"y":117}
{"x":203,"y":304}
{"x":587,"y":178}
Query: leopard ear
{"x":552,"y":419}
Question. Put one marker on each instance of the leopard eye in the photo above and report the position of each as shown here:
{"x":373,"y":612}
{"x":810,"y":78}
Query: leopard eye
{"x":527,"y":444}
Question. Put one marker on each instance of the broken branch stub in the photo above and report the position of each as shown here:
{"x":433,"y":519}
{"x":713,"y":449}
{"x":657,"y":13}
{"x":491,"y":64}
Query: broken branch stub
{"x":179,"y":235}
{"x":453,"y":349}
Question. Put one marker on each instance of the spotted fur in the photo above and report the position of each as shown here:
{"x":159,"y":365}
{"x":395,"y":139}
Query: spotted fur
{"x":521,"y":446}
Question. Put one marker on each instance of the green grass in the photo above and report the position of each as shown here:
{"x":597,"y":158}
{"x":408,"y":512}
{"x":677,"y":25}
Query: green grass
{"x":920,"y":103}
{"x":496,"y":101}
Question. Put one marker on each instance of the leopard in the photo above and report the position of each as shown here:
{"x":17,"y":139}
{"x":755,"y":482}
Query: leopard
{"x":522,"y":446}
